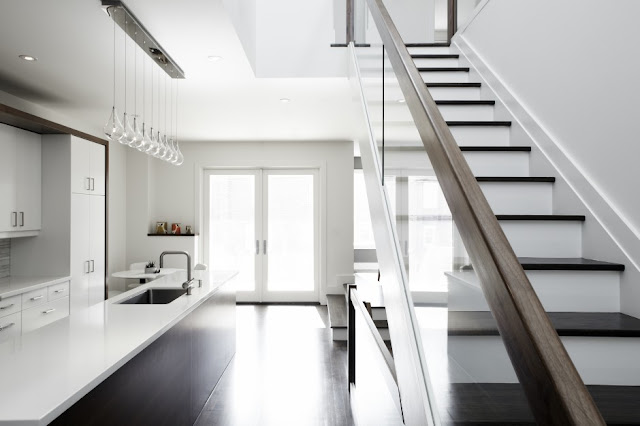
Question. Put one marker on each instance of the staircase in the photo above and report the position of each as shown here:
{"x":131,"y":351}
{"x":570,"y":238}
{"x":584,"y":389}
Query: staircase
{"x":581,"y":296}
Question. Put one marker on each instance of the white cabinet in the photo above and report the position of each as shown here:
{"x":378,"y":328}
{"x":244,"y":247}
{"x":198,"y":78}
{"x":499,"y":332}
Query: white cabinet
{"x":20,"y":180}
{"x":87,"y":250}
{"x":87,"y":167}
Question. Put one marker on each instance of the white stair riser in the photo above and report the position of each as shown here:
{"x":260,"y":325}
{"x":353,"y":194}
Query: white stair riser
{"x":481,"y":135}
{"x":599,"y":360}
{"x":341,"y":334}
{"x":518,"y":197}
{"x":558,"y":291}
{"x":396,"y":111}
{"x":417,"y":160}
{"x":538,"y":238}
{"x":498,"y":163}
{"x":436,"y":62}
{"x":455,"y":93}
{"x":430,"y":50}
{"x":467,"y":112}
{"x":445,"y":77}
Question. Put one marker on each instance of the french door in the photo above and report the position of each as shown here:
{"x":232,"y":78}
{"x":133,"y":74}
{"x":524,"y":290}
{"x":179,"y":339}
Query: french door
{"x":264,"y":224}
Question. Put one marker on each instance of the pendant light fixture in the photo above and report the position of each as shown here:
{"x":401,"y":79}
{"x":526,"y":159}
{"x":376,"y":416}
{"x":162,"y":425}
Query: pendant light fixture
{"x":134,"y":130}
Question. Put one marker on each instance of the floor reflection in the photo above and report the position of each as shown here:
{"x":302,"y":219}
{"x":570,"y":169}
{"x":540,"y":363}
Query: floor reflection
{"x":287,"y":371}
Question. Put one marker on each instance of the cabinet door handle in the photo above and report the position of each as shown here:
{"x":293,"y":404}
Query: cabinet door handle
{"x":37,"y":297}
{"x":257,"y":247}
{"x":21,"y":218}
{"x":59,"y":291}
{"x":88,"y":184}
{"x":264,"y":246}
{"x":4,"y":327}
{"x":93,"y":184}
{"x":48,"y":311}
{"x":2,"y":308}
{"x":87,"y":269}
{"x":14,"y":219}
{"x":93,"y":264}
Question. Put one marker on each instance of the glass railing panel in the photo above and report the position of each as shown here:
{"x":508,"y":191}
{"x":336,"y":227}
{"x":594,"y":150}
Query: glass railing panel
{"x":467,"y":373}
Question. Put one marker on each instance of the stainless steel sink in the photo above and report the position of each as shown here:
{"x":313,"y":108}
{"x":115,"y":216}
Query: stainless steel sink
{"x":154,"y":296}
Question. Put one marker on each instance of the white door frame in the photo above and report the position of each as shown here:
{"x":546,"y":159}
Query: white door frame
{"x":261,"y":198}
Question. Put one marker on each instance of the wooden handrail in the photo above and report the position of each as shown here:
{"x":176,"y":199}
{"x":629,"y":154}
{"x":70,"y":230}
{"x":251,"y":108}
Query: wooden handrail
{"x":554,"y":389}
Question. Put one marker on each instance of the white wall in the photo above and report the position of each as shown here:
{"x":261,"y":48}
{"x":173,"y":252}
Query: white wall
{"x":573,"y":65}
{"x":159,"y":191}
{"x":415,"y":19}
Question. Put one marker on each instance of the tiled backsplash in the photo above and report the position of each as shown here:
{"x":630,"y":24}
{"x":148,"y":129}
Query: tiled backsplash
{"x":5,"y":257}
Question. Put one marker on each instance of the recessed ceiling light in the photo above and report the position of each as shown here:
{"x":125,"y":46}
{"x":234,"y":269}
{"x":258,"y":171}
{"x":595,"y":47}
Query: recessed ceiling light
{"x":28,"y":58}
{"x":401,"y":101}
{"x":214,"y":58}
{"x":285,"y":100}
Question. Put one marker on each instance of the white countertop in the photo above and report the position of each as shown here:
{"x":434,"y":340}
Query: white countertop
{"x":12,"y":286}
{"x":44,"y":372}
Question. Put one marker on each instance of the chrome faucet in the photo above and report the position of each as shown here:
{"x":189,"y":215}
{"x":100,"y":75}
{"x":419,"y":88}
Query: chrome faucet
{"x":188,"y":285}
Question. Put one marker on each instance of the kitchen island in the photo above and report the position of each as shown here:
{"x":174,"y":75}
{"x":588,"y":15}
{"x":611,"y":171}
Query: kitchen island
{"x":123,"y":363}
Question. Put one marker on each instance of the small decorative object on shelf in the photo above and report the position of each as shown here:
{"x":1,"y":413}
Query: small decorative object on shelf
{"x":150,"y":268}
{"x":175,"y":228}
{"x":189,"y":230}
{"x":161,"y":228}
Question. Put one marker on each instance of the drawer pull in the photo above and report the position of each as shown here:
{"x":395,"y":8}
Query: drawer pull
{"x":2,"y":308}
{"x":4,"y":327}
{"x":48,"y":311}
{"x":59,"y":291}
{"x":37,"y":297}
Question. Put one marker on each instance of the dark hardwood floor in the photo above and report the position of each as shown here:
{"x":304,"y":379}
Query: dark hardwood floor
{"x":286,"y":371}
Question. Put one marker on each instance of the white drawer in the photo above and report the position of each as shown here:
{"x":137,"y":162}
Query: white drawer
{"x":10,"y":326}
{"x":10,"y":305}
{"x":34,"y":298}
{"x":42,"y":315}
{"x":58,"y":291}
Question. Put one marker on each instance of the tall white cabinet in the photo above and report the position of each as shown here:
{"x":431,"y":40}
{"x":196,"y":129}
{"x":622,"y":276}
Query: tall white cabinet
{"x":87,"y":224}
{"x":20,"y":182}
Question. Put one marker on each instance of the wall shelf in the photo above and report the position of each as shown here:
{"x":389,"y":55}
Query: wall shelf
{"x":172,"y":235}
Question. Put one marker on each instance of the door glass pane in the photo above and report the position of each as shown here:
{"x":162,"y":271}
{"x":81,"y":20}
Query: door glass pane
{"x":430,"y":235}
{"x":290,"y":229}
{"x":232,"y":222}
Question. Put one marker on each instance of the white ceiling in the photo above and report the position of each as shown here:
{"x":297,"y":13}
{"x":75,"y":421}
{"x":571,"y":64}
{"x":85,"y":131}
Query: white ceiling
{"x":73,"y":41}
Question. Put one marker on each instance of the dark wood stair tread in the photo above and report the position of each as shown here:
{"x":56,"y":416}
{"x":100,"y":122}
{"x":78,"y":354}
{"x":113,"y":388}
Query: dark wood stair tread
{"x":515,"y":179}
{"x":495,"y":148}
{"x":567,"y":264}
{"x":592,"y":324}
{"x":465,"y":102}
{"x":443,"y":69}
{"x":488,"y":123}
{"x":542,"y":217}
{"x":427,"y":44}
{"x":474,"y":84}
{"x":435,"y":56}
{"x":563,"y":264}
{"x":506,"y":403}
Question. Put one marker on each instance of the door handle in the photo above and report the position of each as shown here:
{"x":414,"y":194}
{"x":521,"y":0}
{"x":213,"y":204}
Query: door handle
{"x":264,"y":246}
{"x":14,"y":219}
{"x":2,"y":308}
{"x":93,"y":264}
{"x":48,"y":311}
{"x":88,"y":184}
{"x":93,"y":184}
{"x":21,"y":218}
{"x":88,"y":269}
{"x":257,"y":247}
{"x":33,"y":299}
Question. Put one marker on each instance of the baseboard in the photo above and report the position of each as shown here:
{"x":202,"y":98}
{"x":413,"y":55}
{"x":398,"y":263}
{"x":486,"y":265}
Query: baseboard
{"x":622,"y":234}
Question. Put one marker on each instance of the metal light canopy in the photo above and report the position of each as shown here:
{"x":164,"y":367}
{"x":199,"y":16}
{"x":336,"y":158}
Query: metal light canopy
{"x":132,"y":26}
